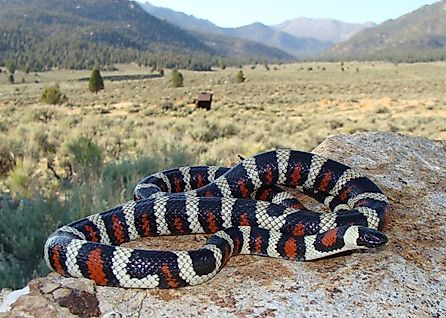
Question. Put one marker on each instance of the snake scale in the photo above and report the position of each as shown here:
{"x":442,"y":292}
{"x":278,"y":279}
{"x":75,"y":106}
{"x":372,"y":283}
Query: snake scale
{"x":247,"y":209}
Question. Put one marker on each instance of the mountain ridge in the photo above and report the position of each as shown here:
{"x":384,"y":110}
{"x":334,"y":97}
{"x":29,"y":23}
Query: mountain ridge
{"x":416,"y":36}
{"x":303,"y":47}
{"x":42,"y":34}
{"x":330,"y":30}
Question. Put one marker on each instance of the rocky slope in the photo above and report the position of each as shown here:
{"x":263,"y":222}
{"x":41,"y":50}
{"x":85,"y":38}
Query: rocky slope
{"x":406,"y":276}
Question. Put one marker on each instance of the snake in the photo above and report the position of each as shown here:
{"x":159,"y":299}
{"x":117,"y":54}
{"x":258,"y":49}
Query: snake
{"x":249,"y":208}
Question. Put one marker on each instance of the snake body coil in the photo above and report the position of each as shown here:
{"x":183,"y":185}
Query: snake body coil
{"x":245,"y":208}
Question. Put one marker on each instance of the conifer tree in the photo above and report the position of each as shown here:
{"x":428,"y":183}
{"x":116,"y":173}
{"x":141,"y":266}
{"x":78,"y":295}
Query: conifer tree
{"x":96,"y":83}
{"x":177,"y":78}
{"x":240,"y":77}
{"x":11,"y":67}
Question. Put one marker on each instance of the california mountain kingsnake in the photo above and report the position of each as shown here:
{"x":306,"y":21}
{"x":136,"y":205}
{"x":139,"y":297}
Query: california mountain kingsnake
{"x":243,"y":206}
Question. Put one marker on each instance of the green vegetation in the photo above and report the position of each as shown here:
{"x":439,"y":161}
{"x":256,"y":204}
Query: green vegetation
{"x":415,"y":37}
{"x":7,"y":160}
{"x":11,"y":67}
{"x":240,"y":77}
{"x":59,"y":163}
{"x":39,"y":35}
{"x":176,"y":78}
{"x":87,"y":158}
{"x":95,"y":83}
{"x":52,"y":95}
{"x":28,"y":219}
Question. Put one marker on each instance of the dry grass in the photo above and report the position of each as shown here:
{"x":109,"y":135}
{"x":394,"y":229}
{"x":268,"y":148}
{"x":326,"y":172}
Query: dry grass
{"x":287,"y":106}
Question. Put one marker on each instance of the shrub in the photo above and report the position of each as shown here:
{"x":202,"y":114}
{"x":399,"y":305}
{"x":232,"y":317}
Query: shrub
{"x":7,"y":160}
{"x":41,"y":139}
{"x":383,"y":110}
{"x":20,"y":179}
{"x":11,"y":78}
{"x":43,"y":114}
{"x":208,"y":132}
{"x":240,"y":77}
{"x":24,"y":227}
{"x":96,"y":82}
{"x":52,"y":95}
{"x":25,"y":224}
{"x":87,"y":157}
{"x":176,"y":79}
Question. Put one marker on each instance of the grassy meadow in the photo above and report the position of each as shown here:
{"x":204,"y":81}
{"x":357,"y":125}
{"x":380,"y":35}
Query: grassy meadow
{"x":60,"y":162}
{"x":287,"y":106}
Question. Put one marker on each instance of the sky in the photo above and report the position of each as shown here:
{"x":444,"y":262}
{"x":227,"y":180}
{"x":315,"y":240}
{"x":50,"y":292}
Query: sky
{"x":234,"y":13}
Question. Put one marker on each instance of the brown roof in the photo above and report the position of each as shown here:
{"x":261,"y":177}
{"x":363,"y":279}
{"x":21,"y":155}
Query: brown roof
{"x":205,"y":97}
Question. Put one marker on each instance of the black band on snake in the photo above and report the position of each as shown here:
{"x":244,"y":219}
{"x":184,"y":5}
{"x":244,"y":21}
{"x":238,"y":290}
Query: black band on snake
{"x":244,"y":206}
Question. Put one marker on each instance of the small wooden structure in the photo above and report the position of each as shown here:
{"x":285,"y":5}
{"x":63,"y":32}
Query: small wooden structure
{"x":204,"y":101}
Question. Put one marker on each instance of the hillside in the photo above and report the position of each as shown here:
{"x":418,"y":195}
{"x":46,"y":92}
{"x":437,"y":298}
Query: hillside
{"x":328,"y":30}
{"x":245,"y":50}
{"x":41,"y":34}
{"x":417,"y":36}
{"x":81,"y":34}
{"x":301,"y":47}
{"x":185,"y":21}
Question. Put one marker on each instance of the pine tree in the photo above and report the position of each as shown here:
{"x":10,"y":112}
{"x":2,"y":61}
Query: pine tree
{"x":177,"y":78}
{"x":11,"y":67}
{"x":240,"y":77}
{"x":96,"y":83}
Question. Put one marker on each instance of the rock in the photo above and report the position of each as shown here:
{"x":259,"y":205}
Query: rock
{"x":81,"y":303}
{"x":8,"y":297}
{"x":55,"y":296}
{"x":405,"y":277}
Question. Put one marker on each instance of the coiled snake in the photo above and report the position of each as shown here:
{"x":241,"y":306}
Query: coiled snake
{"x":245,"y":208}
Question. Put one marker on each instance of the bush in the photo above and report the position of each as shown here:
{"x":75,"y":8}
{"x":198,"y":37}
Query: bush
{"x":87,"y":157}
{"x":208,"y":132}
{"x":11,"y":78}
{"x":25,"y":224}
{"x":20,"y":179}
{"x":176,"y":79}
{"x":52,"y":95}
{"x":24,"y":227}
{"x":240,"y":77}
{"x":7,"y":160}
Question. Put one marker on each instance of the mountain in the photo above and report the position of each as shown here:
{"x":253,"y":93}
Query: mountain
{"x":416,"y":36}
{"x":243,"y":49}
{"x":322,"y":29}
{"x":301,"y":47}
{"x":41,"y":34}
{"x":188,"y":22}
{"x":48,"y":33}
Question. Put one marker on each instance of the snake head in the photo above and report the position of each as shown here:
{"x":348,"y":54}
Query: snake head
{"x":370,"y":238}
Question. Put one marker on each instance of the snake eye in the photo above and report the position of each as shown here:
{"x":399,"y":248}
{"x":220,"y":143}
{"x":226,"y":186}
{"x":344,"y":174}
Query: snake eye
{"x":371,"y":238}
